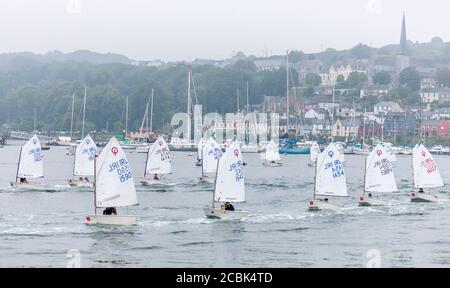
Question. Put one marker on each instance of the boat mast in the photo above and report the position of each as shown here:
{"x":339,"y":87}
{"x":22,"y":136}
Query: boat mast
{"x":71,"y":119}
{"x":84,"y":111}
{"x":215,"y":181}
{"x":248,"y":102}
{"x":146,"y":162}
{"x":315,"y":176}
{"x":95,"y":184}
{"x":18,"y":164}
{"x":188,"y":136}
{"x":287,"y":93}
{"x":126,"y":119}
{"x":365,"y":176}
{"x":237,"y":100}
{"x":151,"y":113}
{"x":203,"y":173}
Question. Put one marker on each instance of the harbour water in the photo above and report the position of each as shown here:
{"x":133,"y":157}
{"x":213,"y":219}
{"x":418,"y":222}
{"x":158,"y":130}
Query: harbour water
{"x":39,"y":229}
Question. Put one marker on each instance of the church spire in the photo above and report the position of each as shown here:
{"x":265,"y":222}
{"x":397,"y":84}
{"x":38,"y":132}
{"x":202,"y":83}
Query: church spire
{"x":403,"y":40}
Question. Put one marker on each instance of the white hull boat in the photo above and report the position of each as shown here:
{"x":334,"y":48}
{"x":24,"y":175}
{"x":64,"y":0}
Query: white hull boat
{"x":153,"y":183}
{"x":143,"y":149}
{"x":271,"y":164}
{"x":220,"y":214}
{"x":365,"y":201}
{"x":111,"y":220}
{"x":80,"y":184}
{"x":35,"y":187}
{"x":423,"y":198}
{"x":317,"y":205}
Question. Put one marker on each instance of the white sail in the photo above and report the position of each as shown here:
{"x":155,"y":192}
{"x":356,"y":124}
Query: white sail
{"x":199,"y":149}
{"x":379,"y":173}
{"x":425,"y":170}
{"x":330,"y":176}
{"x":314,"y":151}
{"x":272,"y":152}
{"x":114,"y":185}
{"x":340,"y":149}
{"x":30,"y":164}
{"x":230,"y":186}
{"x":84,"y":157}
{"x":211,"y":154}
{"x":158,"y":158}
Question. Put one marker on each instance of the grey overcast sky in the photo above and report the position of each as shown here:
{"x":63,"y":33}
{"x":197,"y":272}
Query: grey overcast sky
{"x":188,"y":29}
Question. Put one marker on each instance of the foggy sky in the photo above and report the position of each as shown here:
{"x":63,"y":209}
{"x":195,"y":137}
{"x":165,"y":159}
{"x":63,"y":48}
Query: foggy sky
{"x":188,"y":29}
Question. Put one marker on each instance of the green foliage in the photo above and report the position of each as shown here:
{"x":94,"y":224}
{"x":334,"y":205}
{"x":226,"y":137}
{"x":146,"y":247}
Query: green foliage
{"x":382,"y":78}
{"x":355,"y":80}
{"x":361,"y":51}
{"x":411,"y":78}
{"x":443,"y":77}
{"x":313,"y":79}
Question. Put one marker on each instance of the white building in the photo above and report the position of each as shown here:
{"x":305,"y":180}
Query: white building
{"x":435,"y":95}
{"x":387,"y":106}
{"x":330,"y":78}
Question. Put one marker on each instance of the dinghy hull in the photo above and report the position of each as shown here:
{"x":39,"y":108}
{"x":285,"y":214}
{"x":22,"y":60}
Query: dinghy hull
{"x":34,"y":187}
{"x":80,"y":184}
{"x":111,"y":220}
{"x":219,"y":214}
{"x":269,"y":164}
{"x":206,"y":180}
{"x":317,"y":205}
{"x":370,"y":202}
{"x":423,"y":198}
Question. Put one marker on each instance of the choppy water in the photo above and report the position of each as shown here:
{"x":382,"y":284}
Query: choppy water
{"x":38,"y":229}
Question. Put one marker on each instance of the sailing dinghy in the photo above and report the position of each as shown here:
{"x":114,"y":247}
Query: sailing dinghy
{"x":158,"y":163}
{"x":199,"y":153}
{"x":314,"y":153}
{"x":378,"y":177}
{"x":229,"y":187}
{"x":31,"y":167}
{"x":272,"y":156}
{"x":425,"y":174}
{"x":83,"y":166}
{"x":113,"y":186}
{"x":330,"y":179}
{"x":211,"y":153}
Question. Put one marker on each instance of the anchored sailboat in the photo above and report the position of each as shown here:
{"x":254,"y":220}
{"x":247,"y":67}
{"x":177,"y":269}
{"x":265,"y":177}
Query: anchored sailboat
{"x":84,"y":163}
{"x":329,"y":180}
{"x":315,"y":151}
{"x":113,"y":186}
{"x":158,"y":163}
{"x":378,"y":177}
{"x":272,"y":156}
{"x":425,"y":174}
{"x":229,"y":187}
{"x":211,"y":153}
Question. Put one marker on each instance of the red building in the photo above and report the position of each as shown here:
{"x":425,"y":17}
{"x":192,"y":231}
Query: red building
{"x":436,"y":128}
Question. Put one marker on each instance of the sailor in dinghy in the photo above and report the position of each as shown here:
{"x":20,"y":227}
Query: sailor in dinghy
{"x":272,"y":156}
{"x":378,"y":177}
{"x":211,"y":153}
{"x":84,"y":163}
{"x":113,"y":187}
{"x":426,"y":175}
{"x":329,"y":180}
{"x":229,"y":187}
{"x":158,"y":164}
{"x":31,"y":167}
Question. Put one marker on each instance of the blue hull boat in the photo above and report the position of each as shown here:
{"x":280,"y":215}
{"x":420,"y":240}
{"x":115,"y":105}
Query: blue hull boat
{"x":295,"y":151}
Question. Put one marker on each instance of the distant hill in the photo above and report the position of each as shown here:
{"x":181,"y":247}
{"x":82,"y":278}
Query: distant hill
{"x":76,"y":56}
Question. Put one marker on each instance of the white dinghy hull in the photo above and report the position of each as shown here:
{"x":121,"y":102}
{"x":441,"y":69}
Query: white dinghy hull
{"x":370,"y":202}
{"x":270,"y":164}
{"x":317,"y":205}
{"x":153,"y":183}
{"x":218,"y":213}
{"x":206,"y":180}
{"x":423,"y":198}
{"x":111,"y":220}
{"x":80,"y":184}
{"x":35,"y":187}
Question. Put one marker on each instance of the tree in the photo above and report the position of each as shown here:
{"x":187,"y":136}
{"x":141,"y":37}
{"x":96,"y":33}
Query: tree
{"x":309,"y":92}
{"x":296,"y":56}
{"x":382,"y":78}
{"x":361,"y":51}
{"x":355,"y":80}
{"x":313,"y":79}
{"x":410,"y":78}
{"x":443,"y":77}
{"x":340,"y":78}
